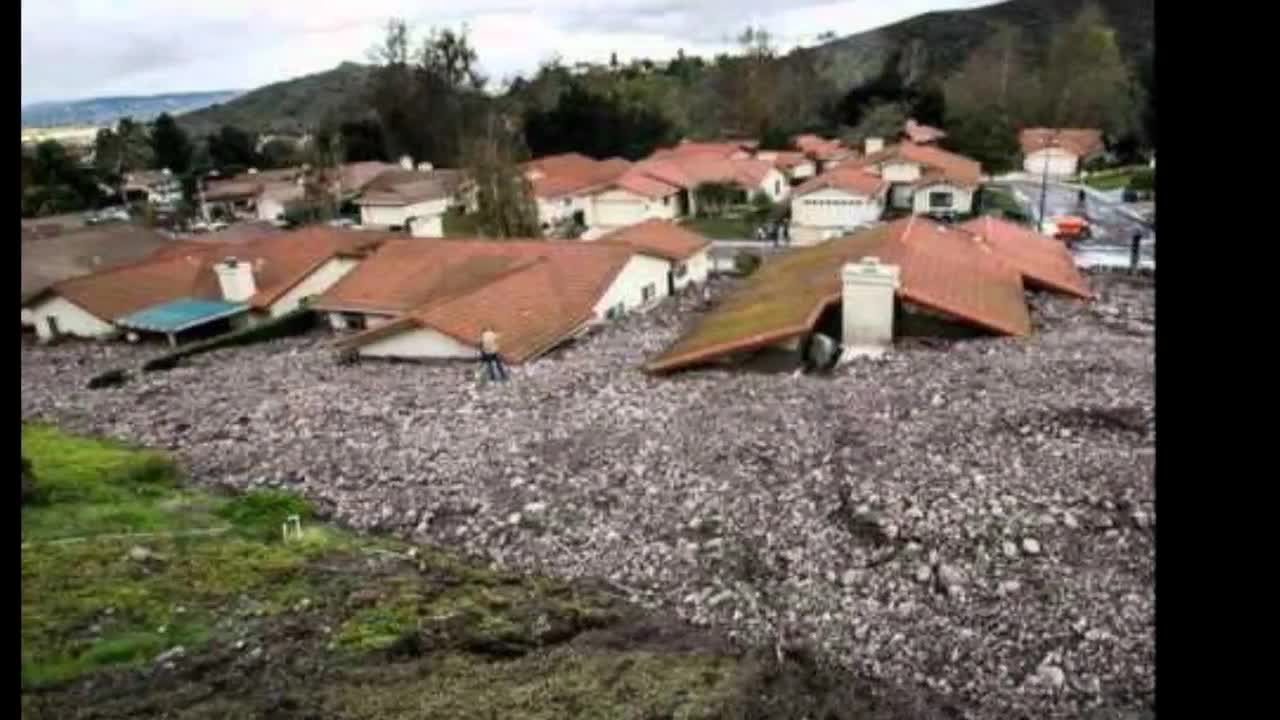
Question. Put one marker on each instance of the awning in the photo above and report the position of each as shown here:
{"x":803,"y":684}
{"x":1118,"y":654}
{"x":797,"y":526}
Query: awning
{"x":182,"y":314}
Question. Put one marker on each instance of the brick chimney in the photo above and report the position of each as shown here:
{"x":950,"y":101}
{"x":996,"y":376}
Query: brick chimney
{"x":867,"y":307}
{"x":235,"y":277}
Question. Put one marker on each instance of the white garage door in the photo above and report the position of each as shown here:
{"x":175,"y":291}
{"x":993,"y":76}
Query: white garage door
{"x":1059,"y":163}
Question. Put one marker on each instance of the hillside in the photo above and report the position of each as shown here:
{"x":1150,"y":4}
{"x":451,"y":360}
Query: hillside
{"x":936,"y":42}
{"x":288,"y":106}
{"x":106,"y":110}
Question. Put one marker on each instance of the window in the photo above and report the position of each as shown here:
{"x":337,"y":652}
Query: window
{"x":939,"y":199}
{"x":355,"y":321}
{"x":666,"y":200}
{"x":648,"y":292}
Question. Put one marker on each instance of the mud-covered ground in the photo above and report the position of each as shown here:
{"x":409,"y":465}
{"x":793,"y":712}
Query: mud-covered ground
{"x":973,"y":520}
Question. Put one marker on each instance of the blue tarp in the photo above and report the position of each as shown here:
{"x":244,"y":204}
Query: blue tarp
{"x":182,"y":314}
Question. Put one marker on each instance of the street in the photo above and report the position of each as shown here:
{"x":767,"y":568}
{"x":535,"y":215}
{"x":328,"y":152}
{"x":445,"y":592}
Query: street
{"x":1113,"y":224}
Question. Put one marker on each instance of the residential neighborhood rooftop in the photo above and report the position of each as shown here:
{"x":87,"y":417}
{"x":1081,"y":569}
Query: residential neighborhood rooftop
{"x":71,"y":254}
{"x":939,"y":163}
{"x":661,"y":238}
{"x":1079,"y":141}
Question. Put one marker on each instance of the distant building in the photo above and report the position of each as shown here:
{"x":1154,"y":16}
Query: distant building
{"x":1059,"y":152}
{"x":836,"y":203}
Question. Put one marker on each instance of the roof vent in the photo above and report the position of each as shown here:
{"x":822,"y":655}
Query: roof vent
{"x":253,"y":171}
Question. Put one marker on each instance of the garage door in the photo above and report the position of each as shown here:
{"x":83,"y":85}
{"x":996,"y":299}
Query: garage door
{"x":618,"y":212}
{"x":1059,"y":164}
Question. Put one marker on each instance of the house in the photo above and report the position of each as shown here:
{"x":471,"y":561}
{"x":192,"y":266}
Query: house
{"x":836,"y":203}
{"x":924,"y":178}
{"x":722,"y":149}
{"x":232,"y":198}
{"x":409,"y":199}
{"x":275,"y":199}
{"x":921,"y":134}
{"x":825,"y":153}
{"x":53,"y":259}
{"x":906,"y":277}
{"x":1059,"y":152}
{"x":202,"y":287}
{"x":562,"y":186}
{"x":432,"y":301}
{"x":686,"y":253}
{"x":688,"y":171}
{"x":160,"y":188}
{"x":794,"y":165}
{"x":633,"y":197}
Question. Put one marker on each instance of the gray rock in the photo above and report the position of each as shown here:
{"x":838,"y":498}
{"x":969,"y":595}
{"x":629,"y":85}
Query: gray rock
{"x":1009,"y":549}
{"x":1031,"y":546}
{"x":138,"y":553}
{"x":1052,"y":676}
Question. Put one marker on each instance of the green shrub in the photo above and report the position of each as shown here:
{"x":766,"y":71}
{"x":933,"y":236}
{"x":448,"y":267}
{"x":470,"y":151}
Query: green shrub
{"x":1143,"y":181}
{"x":746,"y":263}
{"x":260,"y":513}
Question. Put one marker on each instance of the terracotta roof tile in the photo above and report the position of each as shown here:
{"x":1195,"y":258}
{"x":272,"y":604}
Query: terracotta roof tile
{"x":944,"y":269}
{"x":822,"y":148}
{"x":850,"y":179}
{"x":280,"y":261}
{"x":555,"y":176}
{"x":1043,"y":261}
{"x":1081,"y":141}
{"x":660,"y":238}
{"x":954,"y":167}
{"x":533,"y":293}
{"x":80,"y":252}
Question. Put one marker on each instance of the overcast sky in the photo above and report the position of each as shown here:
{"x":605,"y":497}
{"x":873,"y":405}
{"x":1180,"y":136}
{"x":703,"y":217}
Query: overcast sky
{"x":86,"y":48}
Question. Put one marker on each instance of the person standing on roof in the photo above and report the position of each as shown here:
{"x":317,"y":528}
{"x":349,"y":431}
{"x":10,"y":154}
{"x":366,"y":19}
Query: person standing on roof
{"x":489,"y":355}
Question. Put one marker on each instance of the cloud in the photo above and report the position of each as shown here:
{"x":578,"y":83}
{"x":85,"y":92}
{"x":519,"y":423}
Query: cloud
{"x":83,"y":48}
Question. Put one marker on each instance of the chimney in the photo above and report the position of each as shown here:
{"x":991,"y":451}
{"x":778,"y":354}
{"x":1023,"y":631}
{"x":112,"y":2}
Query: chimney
{"x":867,"y":300}
{"x":406,"y":162}
{"x":236,"y":279}
{"x":872,"y":145}
{"x":425,"y":167}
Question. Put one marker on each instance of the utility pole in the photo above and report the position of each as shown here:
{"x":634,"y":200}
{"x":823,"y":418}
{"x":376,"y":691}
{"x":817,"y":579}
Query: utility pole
{"x":1044,"y":182}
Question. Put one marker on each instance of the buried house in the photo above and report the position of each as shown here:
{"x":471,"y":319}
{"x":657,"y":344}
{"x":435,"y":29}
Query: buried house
{"x":417,"y":300}
{"x":200,"y":287}
{"x":910,"y":276}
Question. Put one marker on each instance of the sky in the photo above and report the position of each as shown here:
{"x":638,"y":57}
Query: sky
{"x":89,"y":48}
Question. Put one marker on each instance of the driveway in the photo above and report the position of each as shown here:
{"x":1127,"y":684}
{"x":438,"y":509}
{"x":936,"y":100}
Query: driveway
{"x":1114,"y":223}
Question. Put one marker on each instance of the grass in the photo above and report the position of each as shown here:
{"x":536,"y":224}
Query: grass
{"x":723,"y":228}
{"x":1114,"y":178}
{"x":381,"y":629}
{"x":459,"y":224}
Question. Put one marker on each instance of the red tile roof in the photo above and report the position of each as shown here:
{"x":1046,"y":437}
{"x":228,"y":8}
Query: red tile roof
{"x":533,"y":293}
{"x":661,"y":238}
{"x":784,"y":159}
{"x":946,"y":270}
{"x":690,"y":170}
{"x":643,"y":184}
{"x":1043,"y":261}
{"x":405,"y":187}
{"x":724,"y":149}
{"x":956,"y":168}
{"x":922,"y":134}
{"x":555,"y":176}
{"x":1079,"y":141}
{"x":280,"y":262}
{"x":822,"y":148}
{"x":850,"y":179}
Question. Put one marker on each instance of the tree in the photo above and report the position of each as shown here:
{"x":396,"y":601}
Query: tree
{"x":504,"y":197}
{"x":882,"y":120}
{"x":363,"y":140}
{"x":279,"y":153}
{"x":170,"y":145}
{"x":773,"y":137}
{"x":596,"y":125}
{"x":125,"y":149}
{"x":232,"y":147}
{"x":986,"y":136}
{"x":1086,"y":82}
{"x":55,"y":182}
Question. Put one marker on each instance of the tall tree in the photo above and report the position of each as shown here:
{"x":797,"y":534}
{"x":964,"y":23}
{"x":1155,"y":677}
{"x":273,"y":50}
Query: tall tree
{"x":504,"y":197}
{"x":363,"y":140}
{"x":232,"y":148}
{"x":125,"y":149}
{"x":1086,"y":80}
{"x":170,"y":145}
{"x":596,"y":125}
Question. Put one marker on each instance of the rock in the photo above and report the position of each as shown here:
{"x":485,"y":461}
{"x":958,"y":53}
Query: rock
{"x":1140,"y":519}
{"x":1051,"y":676}
{"x":923,"y":573}
{"x":1070,"y":521}
{"x":137,"y":553}
{"x":1008,"y":587}
{"x":535,"y":508}
{"x":1009,"y":549}
{"x":170,"y":655}
{"x":1031,"y":546}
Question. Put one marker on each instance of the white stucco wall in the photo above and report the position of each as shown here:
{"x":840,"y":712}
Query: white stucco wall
{"x":1061,"y":162}
{"x":427,"y":227}
{"x":381,"y":215}
{"x":896,"y":172}
{"x":269,"y":208}
{"x":775,"y":185}
{"x":627,"y":287}
{"x":696,"y":270}
{"x":617,"y":208}
{"x":961,"y":199}
{"x":554,"y":210}
{"x":70,"y":318}
{"x":320,"y":280}
{"x":835,"y":208}
{"x":420,"y":343}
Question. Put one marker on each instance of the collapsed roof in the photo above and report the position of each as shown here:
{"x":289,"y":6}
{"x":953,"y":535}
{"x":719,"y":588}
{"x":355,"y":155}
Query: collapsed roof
{"x":953,"y":270}
{"x":533,"y":293}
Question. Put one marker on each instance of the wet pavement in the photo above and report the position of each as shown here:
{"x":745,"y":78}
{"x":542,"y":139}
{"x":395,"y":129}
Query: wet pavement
{"x":1113,"y":222}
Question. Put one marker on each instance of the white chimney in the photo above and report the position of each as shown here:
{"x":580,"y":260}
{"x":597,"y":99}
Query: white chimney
{"x":867,"y":307}
{"x":872,"y":145}
{"x":253,"y":171}
{"x":236,"y":279}
{"x":425,"y":167}
{"x":406,"y":162}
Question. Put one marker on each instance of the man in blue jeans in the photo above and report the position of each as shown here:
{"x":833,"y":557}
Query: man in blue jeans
{"x":489,"y":356}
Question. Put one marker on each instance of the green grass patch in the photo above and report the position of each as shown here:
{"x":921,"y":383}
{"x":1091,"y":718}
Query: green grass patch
{"x":723,"y":228}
